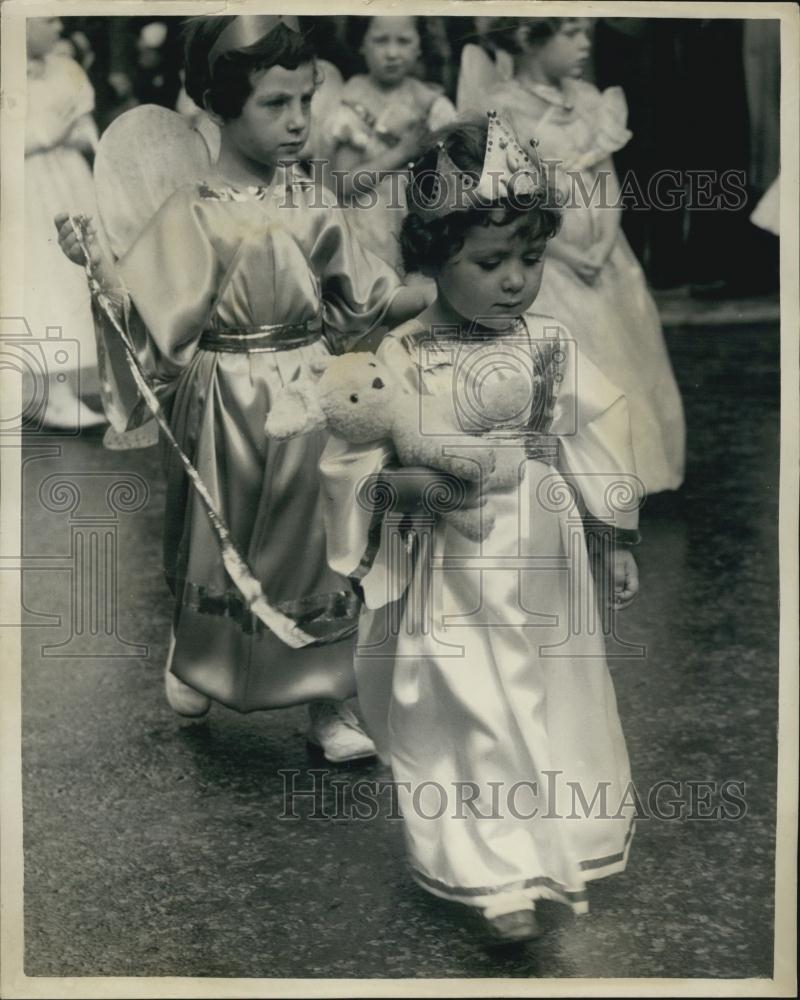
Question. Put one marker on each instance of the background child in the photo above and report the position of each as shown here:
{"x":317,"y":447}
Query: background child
{"x":380,"y":122}
{"x":498,"y":678}
{"x":60,"y":134}
{"x":229,"y":291}
{"x":593,"y":281}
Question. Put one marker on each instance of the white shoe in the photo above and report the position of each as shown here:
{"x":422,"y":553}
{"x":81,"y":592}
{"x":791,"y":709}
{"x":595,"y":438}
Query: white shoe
{"x":184,"y":700}
{"x":181,"y":698}
{"x":336,"y":730}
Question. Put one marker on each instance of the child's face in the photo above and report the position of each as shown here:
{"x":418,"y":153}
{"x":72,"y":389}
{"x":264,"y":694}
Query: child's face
{"x":496,"y":275}
{"x":391,"y":48}
{"x":273,"y":124}
{"x":567,"y":52}
{"x":43,"y":33}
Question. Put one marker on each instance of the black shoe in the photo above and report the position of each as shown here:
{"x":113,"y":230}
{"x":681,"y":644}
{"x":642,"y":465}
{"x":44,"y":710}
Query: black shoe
{"x":512,"y":928}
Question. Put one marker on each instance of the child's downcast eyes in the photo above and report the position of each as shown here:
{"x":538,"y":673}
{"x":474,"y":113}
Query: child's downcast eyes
{"x":490,"y":265}
{"x":280,"y":102}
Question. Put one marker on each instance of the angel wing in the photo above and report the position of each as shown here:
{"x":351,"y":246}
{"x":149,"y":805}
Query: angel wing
{"x":143,"y":157}
{"x":478,"y":74}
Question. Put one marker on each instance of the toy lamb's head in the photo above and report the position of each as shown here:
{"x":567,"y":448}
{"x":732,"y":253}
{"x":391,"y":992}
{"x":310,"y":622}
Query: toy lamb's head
{"x":353,"y":398}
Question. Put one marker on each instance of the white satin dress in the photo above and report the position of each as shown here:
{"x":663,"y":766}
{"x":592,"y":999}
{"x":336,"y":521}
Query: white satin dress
{"x":492,"y":685}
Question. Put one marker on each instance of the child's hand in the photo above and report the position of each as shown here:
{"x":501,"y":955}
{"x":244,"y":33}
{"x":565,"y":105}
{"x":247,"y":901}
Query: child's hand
{"x":580,"y":261}
{"x":586,"y":267}
{"x":69,"y":244}
{"x":598,"y":254}
{"x":626,"y":579}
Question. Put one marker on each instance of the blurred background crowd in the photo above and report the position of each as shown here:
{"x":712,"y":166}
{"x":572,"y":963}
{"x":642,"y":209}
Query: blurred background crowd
{"x":702,"y":94}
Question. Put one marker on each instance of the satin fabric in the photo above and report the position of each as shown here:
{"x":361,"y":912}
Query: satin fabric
{"x":615,"y":320}
{"x":58,"y":125}
{"x":490,"y":670}
{"x":218,"y":258}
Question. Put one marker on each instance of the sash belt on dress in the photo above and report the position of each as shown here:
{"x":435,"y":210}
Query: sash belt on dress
{"x":262,"y":339}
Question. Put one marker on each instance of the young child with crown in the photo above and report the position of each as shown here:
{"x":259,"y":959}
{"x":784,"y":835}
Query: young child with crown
{"x":481,"y":665}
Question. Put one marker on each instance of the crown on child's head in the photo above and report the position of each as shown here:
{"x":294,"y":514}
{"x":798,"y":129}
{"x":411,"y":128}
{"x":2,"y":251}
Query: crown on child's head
{"x":247,"y":29}
{"x":508,"y":172}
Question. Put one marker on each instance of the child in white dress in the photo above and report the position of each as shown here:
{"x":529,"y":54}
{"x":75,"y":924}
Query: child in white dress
{"x":378,"y":127}
{"x":593,"y":281}
{"x":59,"y":134}
{"x":494,"y":686}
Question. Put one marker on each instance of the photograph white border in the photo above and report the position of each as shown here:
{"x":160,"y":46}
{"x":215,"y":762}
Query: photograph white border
{"x":13,"y":982}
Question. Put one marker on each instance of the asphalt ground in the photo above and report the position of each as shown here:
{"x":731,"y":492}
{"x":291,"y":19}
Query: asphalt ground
{"x":155,"y":847}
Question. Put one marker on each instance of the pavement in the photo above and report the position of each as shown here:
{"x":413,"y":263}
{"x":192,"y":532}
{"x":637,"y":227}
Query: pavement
{"x":156,"y":847}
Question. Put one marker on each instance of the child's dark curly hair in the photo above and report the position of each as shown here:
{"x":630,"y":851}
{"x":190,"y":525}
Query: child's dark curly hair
{"x":225,"y":89}
{"x":504,"y":32}
{"x":427,"y":244}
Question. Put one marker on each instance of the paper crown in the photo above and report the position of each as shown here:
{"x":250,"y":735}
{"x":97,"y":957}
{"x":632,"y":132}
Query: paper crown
{"x":508,"y":172}
{"x":246,"y":30}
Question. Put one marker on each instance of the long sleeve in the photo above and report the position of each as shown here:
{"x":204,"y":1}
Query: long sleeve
{"x":357,"y":286}
{"x":57,"y":101}
{"x":169,"y":276}
{"x":172,"y":275}
{"x":592,"y":422}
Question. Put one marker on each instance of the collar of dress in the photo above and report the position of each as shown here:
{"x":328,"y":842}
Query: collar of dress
{"x":550,"y":94}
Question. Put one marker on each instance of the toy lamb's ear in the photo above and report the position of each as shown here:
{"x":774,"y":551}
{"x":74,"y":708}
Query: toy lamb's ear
{"x":320,"y":365}
{"x":295,"y":411}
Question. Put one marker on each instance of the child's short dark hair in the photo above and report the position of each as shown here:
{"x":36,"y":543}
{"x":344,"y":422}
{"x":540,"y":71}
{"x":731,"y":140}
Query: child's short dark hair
{"x":504,"y":32}
{"x":226,"y":89}
{"x":427,"y":244}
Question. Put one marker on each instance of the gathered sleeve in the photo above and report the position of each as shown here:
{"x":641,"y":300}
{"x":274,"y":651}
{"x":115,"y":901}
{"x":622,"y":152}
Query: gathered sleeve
{"x":58,"y":105}
{"x":357,"y":286}
{"x":592,"y":421}
{"x":172,"y":274}
{"x":607,"y":113}
{"x":169,"y":278}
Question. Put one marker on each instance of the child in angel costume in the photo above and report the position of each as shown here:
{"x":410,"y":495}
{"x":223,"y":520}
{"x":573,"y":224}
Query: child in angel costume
{"x":593,"y":281}
{"x":378,"y":126}
{"x":59,"y":134}
{"x":231,"y":290}
{"x":492,"y":683}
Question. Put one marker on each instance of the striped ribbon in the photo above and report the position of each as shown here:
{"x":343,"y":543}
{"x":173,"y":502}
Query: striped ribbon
{"x":247,"y":585}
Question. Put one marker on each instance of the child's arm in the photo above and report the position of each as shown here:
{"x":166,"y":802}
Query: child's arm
{"x":581,"y":262}
{"x":409,"y":301}
{"x":609,"y":216}
{"x":360,"y":292}
{"x":596,"y":456}
{"x":411,"y":486}
{"x":350,"y":163}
